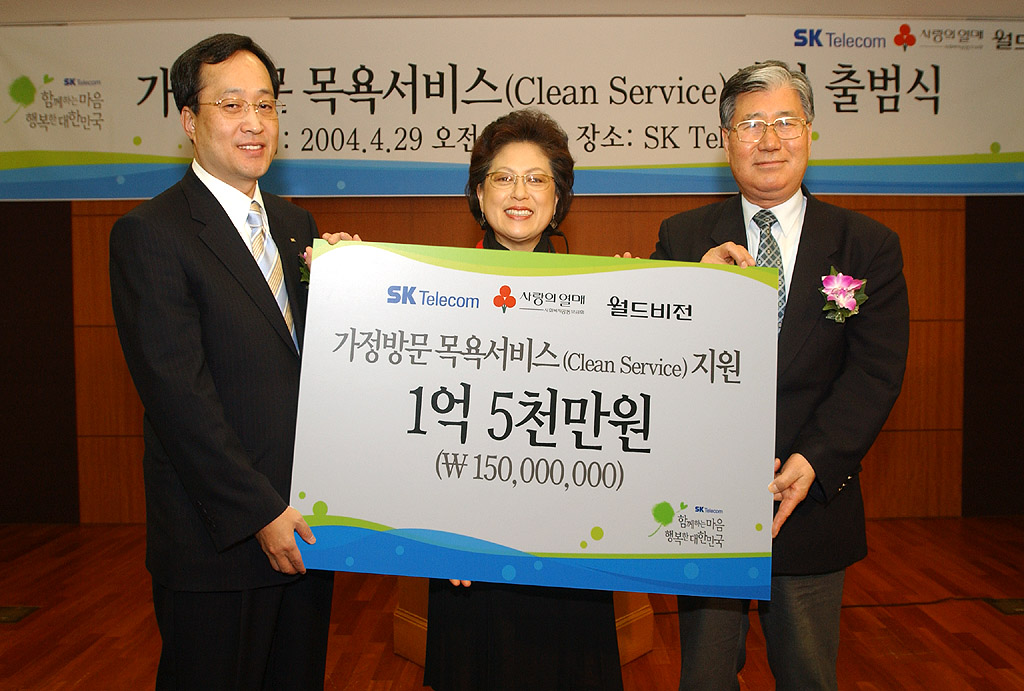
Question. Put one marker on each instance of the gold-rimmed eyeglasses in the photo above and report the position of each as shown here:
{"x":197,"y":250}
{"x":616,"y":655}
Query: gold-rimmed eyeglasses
{"x":752,"y":131}
{"x":503,"y":180}
{"x":235,"y":108}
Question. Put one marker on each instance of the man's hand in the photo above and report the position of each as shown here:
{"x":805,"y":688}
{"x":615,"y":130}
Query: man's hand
{"x":456,"y":582}
{"x":332,"y":239}
{"x":729,"y":253}
{"x":790,"y":487}
{"x":277,"y":539}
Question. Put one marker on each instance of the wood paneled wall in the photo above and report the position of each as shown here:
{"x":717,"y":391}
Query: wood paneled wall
{"x":38,"y":476}
{"x":914,"y":469}
{"x":109,"y":413}
{"x":993,"y":481}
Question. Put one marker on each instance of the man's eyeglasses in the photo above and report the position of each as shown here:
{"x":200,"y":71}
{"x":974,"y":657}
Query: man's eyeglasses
{"x":237,"y":108}
{"x":752,"y":131}
{"x":534,"y":181}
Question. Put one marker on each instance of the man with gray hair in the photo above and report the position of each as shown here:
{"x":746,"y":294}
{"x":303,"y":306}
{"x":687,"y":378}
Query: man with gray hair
{"x":841,"y":361}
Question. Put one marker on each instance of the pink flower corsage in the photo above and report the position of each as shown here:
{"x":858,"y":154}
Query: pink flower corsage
{"x":843,"y":295}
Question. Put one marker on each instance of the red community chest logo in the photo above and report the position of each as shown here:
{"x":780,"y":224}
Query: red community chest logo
{"x":504,"y":299}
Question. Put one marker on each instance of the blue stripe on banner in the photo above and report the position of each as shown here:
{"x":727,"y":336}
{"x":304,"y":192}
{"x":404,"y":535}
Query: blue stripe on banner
{"x":428,"y":553}
{"x":970,"y":178}
{"x":385,"y":178}
{"x":369,"y":178}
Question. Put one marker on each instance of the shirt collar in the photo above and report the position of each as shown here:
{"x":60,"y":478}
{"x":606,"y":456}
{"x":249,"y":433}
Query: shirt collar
{"x":235,"y":204}
{"x":787,"y":213}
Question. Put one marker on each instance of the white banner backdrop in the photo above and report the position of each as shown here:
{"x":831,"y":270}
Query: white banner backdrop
{"x":392,"y":106}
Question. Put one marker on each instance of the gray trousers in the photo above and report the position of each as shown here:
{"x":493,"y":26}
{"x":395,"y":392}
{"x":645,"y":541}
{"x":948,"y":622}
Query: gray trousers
{"x":801,"y":630}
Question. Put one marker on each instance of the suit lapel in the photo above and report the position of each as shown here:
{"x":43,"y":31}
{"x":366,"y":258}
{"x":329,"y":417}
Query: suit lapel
{"x":818,"y":243}
{"x":729,"y":227}
{"x":221,"y":237}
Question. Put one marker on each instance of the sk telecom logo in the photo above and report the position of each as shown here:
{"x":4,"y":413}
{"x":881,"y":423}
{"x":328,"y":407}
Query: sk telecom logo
{"x":904,"y":37}
{"x":504,"y":299}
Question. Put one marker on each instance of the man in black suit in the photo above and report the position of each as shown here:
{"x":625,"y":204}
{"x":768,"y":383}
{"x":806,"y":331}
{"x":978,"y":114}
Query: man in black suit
{"x":837,"y":379}
{"x":212,"y":340}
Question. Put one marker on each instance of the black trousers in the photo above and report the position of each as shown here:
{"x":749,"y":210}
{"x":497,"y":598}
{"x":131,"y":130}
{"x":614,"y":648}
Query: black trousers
{"x":266,"y":638}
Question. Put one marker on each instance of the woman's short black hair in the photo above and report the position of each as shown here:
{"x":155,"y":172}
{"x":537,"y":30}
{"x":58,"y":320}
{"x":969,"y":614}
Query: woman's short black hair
{"x":531,"y":126}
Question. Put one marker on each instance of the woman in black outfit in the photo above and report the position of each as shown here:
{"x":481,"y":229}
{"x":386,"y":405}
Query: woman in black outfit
{"x":496,"y":636}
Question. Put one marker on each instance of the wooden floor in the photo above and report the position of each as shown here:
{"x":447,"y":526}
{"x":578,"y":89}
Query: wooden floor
{"x":916,"y":614}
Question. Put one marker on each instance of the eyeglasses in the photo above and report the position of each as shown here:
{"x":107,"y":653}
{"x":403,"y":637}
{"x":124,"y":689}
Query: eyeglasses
{"x":236,"y":108}
{"x":752,"y":131}
{"x":534,"y":181}
{"x":503,"y":180}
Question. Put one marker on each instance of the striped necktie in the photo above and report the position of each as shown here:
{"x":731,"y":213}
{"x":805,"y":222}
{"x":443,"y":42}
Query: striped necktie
{"x":769,"y":254}
{"x":266,"y":255}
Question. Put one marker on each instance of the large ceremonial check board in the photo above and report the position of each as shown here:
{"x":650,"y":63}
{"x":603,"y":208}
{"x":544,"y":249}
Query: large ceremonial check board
{"x":539,"y":419}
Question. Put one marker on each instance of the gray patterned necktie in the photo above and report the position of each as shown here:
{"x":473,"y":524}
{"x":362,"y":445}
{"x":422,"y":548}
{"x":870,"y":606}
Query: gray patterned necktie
{"x":769,"y":254}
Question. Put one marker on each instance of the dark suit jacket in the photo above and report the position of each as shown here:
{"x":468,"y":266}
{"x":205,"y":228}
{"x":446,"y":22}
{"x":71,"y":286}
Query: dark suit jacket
{"x":218,"y":375}
{"x":836,"y":382}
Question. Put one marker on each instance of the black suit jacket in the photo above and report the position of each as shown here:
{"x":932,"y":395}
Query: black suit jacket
{"x":836,"y":382}
{"x":218,"y":375}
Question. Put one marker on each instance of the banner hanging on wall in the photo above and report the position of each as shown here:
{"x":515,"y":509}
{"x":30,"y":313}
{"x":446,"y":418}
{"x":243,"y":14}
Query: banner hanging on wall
{"x":393,"y":106}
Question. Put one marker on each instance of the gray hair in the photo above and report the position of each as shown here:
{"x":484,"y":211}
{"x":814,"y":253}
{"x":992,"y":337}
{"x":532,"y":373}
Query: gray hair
{"x":764,"y":76}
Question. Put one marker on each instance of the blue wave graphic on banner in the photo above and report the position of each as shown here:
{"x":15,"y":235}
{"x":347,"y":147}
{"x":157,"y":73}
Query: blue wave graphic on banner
{"x":445,"y":555}
{"x":331,"y":178}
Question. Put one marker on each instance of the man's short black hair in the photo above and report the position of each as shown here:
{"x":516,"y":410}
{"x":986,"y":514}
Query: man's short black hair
{"x":216,"y":49}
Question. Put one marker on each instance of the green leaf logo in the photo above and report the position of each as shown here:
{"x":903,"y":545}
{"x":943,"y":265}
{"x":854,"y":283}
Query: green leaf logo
{"x":23,"y":92}
{"x":663,"y":513}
